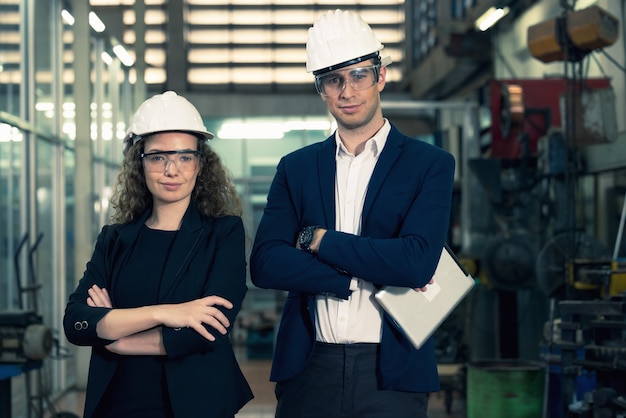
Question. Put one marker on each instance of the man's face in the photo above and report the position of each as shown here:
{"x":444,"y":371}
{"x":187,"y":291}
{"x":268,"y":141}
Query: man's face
{"x":352,"y":107}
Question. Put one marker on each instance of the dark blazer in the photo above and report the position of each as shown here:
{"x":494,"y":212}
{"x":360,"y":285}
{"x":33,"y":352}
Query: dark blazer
{"x":404,"y":224}
{"x":207,"y":258}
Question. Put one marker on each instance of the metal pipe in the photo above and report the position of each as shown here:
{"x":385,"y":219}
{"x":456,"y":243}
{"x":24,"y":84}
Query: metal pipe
{"x":620,"y":230}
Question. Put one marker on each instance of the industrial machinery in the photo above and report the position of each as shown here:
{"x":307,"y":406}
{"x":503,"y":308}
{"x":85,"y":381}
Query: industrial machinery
{"x":524,"y":111}
{"x":23,"y":337}
{"x":532,"y":197}
{"x":525,"y":174}
{"x":590,"y":343}
{"x":576,"y":260}
{"x":25,"y":342}
{"x":572,"y":36}
{"x":586,"y":340}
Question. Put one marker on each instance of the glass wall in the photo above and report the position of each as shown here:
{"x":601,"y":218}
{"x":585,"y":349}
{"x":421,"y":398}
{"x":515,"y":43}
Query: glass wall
{"x":11,"y":153}
{"x":10,"y":58}
{"x":39,"y":89}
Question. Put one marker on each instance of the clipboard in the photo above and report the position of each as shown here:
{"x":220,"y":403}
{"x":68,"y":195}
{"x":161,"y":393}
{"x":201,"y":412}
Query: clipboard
{"x":418,"y":314}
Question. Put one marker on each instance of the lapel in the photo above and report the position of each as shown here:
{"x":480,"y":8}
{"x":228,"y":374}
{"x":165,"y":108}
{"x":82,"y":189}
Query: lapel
{"x":326,"y":167}
{"x":185,"y":243}
{"x":391,"y":152}
{"x":125,"y":242}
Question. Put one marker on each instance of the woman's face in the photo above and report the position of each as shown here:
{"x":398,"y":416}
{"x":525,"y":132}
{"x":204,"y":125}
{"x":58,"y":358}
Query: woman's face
{"x":171,"y":164}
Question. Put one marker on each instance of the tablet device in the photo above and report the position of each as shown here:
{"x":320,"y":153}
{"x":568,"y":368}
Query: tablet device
{"x":418,"y":314}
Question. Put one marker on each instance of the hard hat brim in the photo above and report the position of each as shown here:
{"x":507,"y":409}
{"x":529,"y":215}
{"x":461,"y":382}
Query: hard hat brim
{"x":375,"y":55}
{"x":202,"y":135}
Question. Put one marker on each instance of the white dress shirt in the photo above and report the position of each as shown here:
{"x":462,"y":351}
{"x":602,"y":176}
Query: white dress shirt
{"x":358,"y":319}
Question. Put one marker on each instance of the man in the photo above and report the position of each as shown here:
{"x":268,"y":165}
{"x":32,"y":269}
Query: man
{"x":367,"y":207}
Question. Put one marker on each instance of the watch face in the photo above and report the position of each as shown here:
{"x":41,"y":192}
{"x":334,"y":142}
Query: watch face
{"x":305,"y":238}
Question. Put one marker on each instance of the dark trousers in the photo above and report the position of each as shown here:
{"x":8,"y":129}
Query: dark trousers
{"x":340,"y":381}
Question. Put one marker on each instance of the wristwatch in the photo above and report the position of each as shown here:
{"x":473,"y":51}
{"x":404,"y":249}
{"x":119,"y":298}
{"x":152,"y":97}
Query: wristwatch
{"x":306,"y":237}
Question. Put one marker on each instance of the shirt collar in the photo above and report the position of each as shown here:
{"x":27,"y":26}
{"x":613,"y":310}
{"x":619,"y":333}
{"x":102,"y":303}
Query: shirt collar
{"x":375,"y":144}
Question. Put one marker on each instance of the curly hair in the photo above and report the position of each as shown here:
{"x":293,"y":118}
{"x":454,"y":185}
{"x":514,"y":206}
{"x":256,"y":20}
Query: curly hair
{"x":214,"y":193}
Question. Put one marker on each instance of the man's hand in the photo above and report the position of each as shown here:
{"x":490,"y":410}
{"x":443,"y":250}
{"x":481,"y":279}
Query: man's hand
{"x":425,"y":288}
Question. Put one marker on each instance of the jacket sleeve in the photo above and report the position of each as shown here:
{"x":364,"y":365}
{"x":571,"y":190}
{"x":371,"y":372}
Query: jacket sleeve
{"x":225,"y":277}
{"x":409,"y":256}
{"x":80,"y":320}
{"x":275,"y":263}
{"x":403,"y":229}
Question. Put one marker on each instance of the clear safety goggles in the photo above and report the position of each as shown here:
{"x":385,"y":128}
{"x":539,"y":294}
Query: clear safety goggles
{"x":157,"y":162}
{"x":334,"y":82}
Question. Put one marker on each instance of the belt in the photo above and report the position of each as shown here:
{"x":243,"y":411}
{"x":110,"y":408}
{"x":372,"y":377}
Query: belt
{"x":356,"y":348}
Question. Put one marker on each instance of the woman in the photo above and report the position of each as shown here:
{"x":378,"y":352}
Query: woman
{"x":166,"y":280}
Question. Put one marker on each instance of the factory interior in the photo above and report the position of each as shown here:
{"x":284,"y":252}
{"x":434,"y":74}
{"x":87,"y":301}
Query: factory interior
{"x":525,"y":94}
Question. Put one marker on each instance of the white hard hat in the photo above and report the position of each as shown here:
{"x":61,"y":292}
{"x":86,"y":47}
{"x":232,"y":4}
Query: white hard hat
{"x":338,"y":39}
{"x":165,"y":112}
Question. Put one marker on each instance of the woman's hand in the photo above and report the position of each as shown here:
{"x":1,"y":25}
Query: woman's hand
{"x":99,"y":298}
{"x":192,"y":314}
{"x":195,"y":313}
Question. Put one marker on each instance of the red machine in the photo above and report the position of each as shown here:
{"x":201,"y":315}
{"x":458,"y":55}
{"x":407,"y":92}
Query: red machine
{"x":523,"y":110}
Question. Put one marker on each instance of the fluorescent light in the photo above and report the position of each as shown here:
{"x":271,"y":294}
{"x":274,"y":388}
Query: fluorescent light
{"x":490,"y":18}
{"x":269,"y":130}
{"x":107,"y":58}
{"x":259,"y":130}
{"x":123,"y":55}
{"x":10,"y":133}
{"x":583,"y":4}
{"x":67,"y":16}
{"x":96,"y":23}
{"x":44,"y":106}
{"x":311,"y":125}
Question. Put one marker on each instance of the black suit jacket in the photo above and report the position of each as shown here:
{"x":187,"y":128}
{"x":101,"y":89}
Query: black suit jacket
{"x":207,"y":258}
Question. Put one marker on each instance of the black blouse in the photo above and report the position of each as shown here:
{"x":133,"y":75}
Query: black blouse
{"x":139,"y":388}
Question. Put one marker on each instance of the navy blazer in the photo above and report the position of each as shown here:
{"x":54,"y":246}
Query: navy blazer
{"x":404,"y":225}
{"x":207,"y":258}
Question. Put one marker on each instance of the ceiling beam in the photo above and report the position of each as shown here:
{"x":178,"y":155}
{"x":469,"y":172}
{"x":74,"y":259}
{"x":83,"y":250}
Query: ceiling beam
{"x":176,"y":57}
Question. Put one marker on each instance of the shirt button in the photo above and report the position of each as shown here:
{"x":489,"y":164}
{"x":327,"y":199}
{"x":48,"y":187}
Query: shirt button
{"x":78,"y":326}
{"x":84,"y":324}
